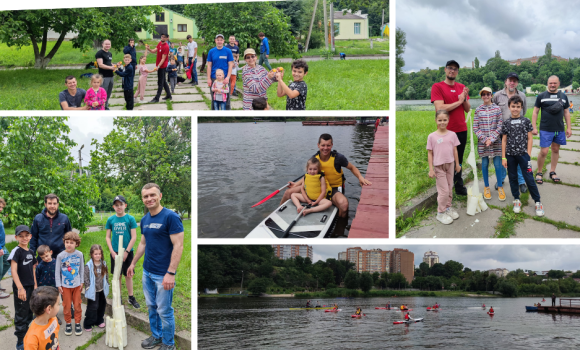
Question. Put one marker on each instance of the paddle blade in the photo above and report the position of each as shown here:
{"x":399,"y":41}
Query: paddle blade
{"x":265,"y":199}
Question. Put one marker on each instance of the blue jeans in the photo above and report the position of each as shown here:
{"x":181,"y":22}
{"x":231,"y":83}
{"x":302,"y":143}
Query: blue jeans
{"x":159,"y":300}
{"x":219,"y":105}
{"x":499,"y":169}
{"x":194,"y":71}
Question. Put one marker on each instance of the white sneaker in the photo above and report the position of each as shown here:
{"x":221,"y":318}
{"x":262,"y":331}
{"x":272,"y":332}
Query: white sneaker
{"x":452,"y":213}
{"x":444,"y":218}
{"x":539,"y":209}
{"x":4,"y":295}
{"x":517,"y":206}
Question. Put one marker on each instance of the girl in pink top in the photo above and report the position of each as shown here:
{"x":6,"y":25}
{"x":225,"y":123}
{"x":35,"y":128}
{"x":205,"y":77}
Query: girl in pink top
{"x":443,"y":161}
{"x":96,"y":96}
{"x":142,"y":77}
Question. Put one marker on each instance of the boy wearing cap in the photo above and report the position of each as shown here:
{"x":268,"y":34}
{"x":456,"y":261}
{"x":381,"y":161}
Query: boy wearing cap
{"x":23,"y":283}
{"x":4,"y":264}
{"x":122,"y":225}
{"x":219,"y":57}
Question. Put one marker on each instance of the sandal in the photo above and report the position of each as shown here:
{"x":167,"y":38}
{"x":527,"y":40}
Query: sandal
{"x":541,"y":179}
{"x":554,"y":178}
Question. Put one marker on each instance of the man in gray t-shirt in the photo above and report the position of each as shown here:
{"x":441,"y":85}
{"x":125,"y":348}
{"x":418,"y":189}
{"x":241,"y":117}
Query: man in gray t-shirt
{"x":72,"y":97}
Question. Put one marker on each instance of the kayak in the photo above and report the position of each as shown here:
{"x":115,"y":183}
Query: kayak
{"x":531,"y":308}
{"x":403,"y":310}
{"x":490,"y":313}
{"x":310,"y":308}
{"x":337,"y":310}
{"x":313,"y":225}
{"x":410,"y":321}
{"x":383,"y":308}
{"x":356,"y":316}
{"x":433,"y":309}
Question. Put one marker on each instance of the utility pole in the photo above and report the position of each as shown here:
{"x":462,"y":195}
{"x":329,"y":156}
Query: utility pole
{"x":325,"y":25}
{"x":80,"y":161}
{"x":311,"y":24}
{"x":383,"y":20}
{"x":332,"y":26}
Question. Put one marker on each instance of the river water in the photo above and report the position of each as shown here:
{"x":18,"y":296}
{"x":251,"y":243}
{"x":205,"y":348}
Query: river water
{"x":267,"y":323}
{"x":426,"y":105}
{"x":241,"y":163}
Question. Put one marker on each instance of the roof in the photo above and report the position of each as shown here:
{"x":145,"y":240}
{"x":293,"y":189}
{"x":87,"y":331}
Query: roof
{"x":349,"y":15}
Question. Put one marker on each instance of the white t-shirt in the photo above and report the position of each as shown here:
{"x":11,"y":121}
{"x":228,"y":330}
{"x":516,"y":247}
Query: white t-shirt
{"x":191,"y":49}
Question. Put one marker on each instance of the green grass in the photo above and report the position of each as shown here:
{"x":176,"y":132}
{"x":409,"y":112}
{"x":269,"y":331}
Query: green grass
{"x":100,"y":219}
{"x":96,"y":336}
{"x":354,"y":47}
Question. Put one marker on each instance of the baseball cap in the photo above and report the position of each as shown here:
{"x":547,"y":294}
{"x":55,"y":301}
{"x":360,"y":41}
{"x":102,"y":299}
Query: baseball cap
{"x":452,"y":63}
{"x":219,"y":36}
{"x":119,"y":198}
{"x":513,"y":75}
{"x":21,"y":228}
{"x":485,"y":89}
{"x":249,"y":51}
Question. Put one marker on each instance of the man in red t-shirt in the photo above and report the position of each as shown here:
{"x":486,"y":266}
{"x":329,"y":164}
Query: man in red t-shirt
{"x":162,"y":51}
{"x":453,"y":97}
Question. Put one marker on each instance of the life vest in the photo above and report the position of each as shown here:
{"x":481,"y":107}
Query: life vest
{"x":335,"y":178}
{"x":313,"y":188}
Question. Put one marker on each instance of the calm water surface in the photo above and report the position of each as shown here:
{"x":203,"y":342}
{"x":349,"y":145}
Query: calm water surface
{"x":426,"y":105}
{"x":267,"y":323}
{"x":241,"y":163}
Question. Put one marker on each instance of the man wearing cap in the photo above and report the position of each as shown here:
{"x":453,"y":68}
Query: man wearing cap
{"x":555,"y":108}
{"x":162,"y":51}
{"x":4,"y":264}
{"x":192,"y":58}
{"x":219,"y":57}
{"x":49,"y":227}
{"x":122,"y":225}
{"x":501,"y":99}
{"x":453,"y":97}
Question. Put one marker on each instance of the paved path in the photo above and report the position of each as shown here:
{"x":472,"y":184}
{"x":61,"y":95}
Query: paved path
{"x":561,"y":204}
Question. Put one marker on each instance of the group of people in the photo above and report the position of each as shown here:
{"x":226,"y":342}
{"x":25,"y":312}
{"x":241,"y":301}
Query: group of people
{"x":504,"y":134}
{"x":46,"y":263}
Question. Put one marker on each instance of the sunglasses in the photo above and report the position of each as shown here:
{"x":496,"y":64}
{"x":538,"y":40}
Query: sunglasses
{"x":486,"y":94}
{"x":250,"y":56}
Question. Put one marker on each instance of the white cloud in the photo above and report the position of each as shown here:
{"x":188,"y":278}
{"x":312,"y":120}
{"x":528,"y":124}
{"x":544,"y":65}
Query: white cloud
{"x":84,"y":129}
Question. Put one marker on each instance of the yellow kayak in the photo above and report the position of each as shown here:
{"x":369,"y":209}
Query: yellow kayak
{"x":311,"y":308}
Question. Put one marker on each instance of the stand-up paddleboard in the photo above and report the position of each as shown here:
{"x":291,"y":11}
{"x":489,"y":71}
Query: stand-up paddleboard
{"x":410,"y":321}
{"x":313,"y":225}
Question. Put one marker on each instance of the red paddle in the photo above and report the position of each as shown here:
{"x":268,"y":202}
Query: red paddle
{"x":275,"y":192}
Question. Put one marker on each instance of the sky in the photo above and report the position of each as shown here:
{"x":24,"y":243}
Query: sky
{"x":480,"y":257}
{"x":441,"y":30}
{"x":83,"y":130}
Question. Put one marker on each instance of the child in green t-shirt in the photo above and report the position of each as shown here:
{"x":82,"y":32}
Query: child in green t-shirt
{"x":122,"y":224}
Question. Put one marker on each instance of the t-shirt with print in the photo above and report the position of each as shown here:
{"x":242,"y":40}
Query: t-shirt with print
{"x":42,"y":337}
{"x":299,"y":102}
{"x":516,"y":130}
{"x":69,"y":269}
{"x":107,"y":61}
{"x":442,"y":147}
{"x":233,"y":48}
{"x":551,"y":121}
{"x":449,"y":94}
{"x":45,"y":273}
{"x":72,"y":101}
{"x":120,"y":226}
{"x":162,"y":49}
{"x":157,"y":231}
{"x":24,"y":265}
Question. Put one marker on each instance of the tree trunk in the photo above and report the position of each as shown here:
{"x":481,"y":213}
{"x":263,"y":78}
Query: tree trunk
{"x":310,"y":28}
{"x":41,"y":62}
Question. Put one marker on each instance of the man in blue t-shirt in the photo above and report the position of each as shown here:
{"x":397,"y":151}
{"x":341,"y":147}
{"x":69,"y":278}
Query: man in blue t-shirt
{"x":220,"y":57}
{"x":264,"y":51}
{"x":162,"y":244}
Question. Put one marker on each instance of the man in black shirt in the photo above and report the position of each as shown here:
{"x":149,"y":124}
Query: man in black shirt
{"x":105,"y":61}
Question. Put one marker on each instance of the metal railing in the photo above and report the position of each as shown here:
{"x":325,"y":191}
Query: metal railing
{"x":570,"y":303}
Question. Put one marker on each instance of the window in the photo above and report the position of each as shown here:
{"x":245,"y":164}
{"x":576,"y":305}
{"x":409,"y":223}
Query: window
{"x":182,"y":27}
{"x":357,"y":28}
{"x":138,"y":30}
{"x":160,"y":17}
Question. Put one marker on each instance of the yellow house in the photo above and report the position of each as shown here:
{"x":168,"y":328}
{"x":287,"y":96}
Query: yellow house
{"x":174,"y":24}
{"x":351,"y":25}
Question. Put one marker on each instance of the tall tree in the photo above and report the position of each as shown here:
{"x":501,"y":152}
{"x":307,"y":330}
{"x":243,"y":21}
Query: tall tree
{"x":476,"y":63}
{"x":366,"y":281}
{"x":548,"y":51}
{"x":401,"y":42}
{"x":351,"y":281}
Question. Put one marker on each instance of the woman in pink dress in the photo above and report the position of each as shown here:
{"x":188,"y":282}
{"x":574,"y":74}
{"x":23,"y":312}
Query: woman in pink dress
{"x":96,"y":96}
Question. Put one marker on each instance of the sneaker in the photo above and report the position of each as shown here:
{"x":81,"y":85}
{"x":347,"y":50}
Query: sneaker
{"x":59,"y":321}
{"x":20,"y":346}
{"x":78,"y":329}
{"x":461,"y":191}
{"x":501,"y":194}
{"x":452,"y":213}
{"x":539,"y":209}
{"x":68,"y":329}
{"x":166,"y":98}
{"x":486,"y":193}
{"x":517,"y":206}
{"x":150,"y":342}
{"x":102,"y":325}
{"x":523,"y":188}
{"x":154,"y":101}
{"x":444,"y":218}
{"x":167,"y":347}
{"x":4,"y":295}
{"x":134,"y":302}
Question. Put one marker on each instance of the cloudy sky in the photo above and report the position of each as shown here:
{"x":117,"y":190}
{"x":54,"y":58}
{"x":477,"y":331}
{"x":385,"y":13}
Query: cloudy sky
{"x":84,"y":129}
{"x":440,"y":30}
{"x":481,"y":257}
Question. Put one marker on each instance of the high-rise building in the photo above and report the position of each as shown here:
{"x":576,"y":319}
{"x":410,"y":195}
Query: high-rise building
{"x":352,"y":254}
{"x":374,"y":260}
{"x":402,"y":260}
{"x":342,"y":256}
{"x":292,"y":251}
{"x":431,"y":258}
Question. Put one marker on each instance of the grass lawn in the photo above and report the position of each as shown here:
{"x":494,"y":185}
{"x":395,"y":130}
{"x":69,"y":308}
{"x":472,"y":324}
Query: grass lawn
{"x":182,"y":294}
{"x":354,"y":47}
{"x":100,"y":219}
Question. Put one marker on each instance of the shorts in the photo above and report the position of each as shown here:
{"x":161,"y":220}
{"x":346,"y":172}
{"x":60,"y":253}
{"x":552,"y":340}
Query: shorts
{"x":337,"y":189}
{"x":547,"y":137}
{"x":126,"y":264}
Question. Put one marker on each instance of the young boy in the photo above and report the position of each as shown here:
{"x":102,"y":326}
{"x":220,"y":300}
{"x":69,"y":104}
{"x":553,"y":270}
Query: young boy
{"x":172,"y":73}
{"x":24,"y":283}
{"x":69,"y":278}
{"x":122,"y":224}
{"x":43,"y":331}
{"x":45,"y":270}
{"x":260,"y":104}
{"x":516,"y":147}
{"x":297,"y":90}
{"x":4,"y":264}
{"x":128,"y":78}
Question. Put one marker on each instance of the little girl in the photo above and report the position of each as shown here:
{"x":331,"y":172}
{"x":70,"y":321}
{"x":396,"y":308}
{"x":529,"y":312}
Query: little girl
{"x":220,"y":91}
{"x":142,"y":84}
{"x":316,"y":190}
{"x":443,"y":160}
{"x":97,"y":289}
{"x":487,"y":124}
{"x":96,"y":96}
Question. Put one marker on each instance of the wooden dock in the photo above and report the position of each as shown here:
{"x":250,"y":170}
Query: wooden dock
{"x":567,"y":306}
{"x":372,"y":214}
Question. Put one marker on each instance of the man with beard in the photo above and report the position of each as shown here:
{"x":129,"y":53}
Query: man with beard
{"x":555,"y":107}
{"x":453,"y":97}
{"x":501,"y":99}
{"x":162,"y":51}
{"x":49,"y":227}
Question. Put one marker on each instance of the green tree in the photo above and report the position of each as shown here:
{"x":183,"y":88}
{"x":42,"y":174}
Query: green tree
{"x":548,"y":52}
{"x":410,"y":93}
{"x":508,"y":288}
{"x":476,"y":63}
{"x":538,"y":87}
{"x":397,"y":280}
{"x":35,"y":160}
{"x":259,"y":285}
{"x":556,"y":274}
{"x":489,"y":80}
{"x":351,"y":280}
{"x":401,"y":42}
{"x":31,"y":27}
{"x":575,"y":85}
{"x":526,"y":78}
{"x":497,"y":54}
{"x":366,"y":281}
{"x":294,"y":10}
{"x":245,"y":20}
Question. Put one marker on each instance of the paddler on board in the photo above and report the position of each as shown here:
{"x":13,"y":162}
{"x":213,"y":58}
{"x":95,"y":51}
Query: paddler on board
{"x":388,"y":306}
{"x":358,"y":311}
{"x":491,"y":310}
{"x":317,"y":304}
{"x":408,"y":317}
{"x":335,"y":307}
{"x":483,"y":306}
